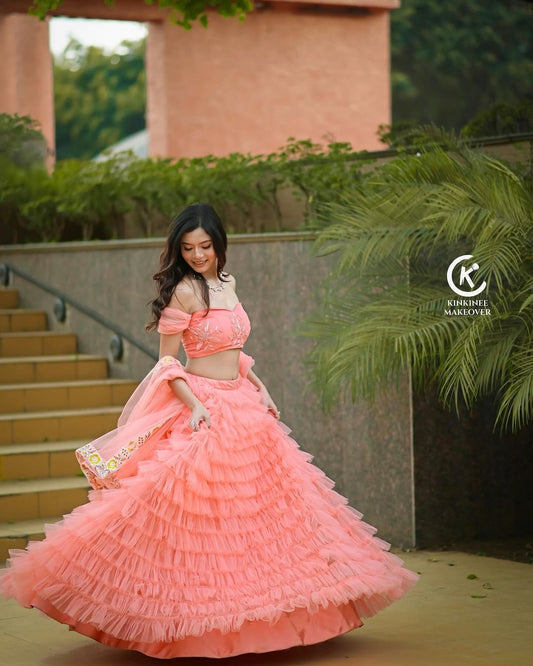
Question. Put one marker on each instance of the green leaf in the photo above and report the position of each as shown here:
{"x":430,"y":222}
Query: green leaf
{"x":185,"y":12}
{"x":392,"y":238}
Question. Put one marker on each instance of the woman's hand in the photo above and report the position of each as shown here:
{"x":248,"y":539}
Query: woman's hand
{"x":265,"y":395}
{"x":269,"y":403}
{"x":198,"y":414}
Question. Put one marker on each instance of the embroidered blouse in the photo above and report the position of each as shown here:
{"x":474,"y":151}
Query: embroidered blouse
{"x":203,"y":334}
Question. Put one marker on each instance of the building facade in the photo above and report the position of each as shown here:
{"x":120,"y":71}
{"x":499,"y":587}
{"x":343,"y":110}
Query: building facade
{"x":317,"y":71}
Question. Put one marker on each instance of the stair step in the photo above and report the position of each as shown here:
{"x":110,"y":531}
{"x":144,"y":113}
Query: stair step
{"x":52,"y":401}
{"x":16,"y":534}
{"x":37,"y":343}
{"x":38,"y":498}
{"x":39,"y":459}
{"x":61,"y":425}
{"x":9,"y":299}
{"x":19,"y":370}
{"x":65,"y":395}
{"x":16,"y":320}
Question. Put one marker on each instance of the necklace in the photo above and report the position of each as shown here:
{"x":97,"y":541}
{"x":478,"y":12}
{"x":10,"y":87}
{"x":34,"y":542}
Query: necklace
{"x":219,"y":286}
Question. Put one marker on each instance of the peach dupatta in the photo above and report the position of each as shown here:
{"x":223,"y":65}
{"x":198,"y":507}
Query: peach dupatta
{"x":141,"y":425}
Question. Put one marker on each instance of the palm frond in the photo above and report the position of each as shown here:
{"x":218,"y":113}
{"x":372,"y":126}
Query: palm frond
{"x":384,"y":312}
{"x":516,"y":406}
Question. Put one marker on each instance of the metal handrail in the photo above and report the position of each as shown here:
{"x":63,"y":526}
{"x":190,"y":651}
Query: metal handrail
{"x":116,"y":342}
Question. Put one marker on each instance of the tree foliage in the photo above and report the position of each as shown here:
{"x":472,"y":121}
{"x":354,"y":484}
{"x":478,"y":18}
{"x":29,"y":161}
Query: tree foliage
{"x":22,"y":170}
{"x":184,"y":12}
{"x":501,"y":119}
{"x":385,"y":308}
{"x":320,"y":176}
{"x":21,"y":141}
{"x":451,"y":59}
{"x":99,"y":98}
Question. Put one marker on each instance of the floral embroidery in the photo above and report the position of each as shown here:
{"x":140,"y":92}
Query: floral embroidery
{"x":96,"y":469}
{"x":206,"y":337}
{"x":238,"y":329}
{"x":221,"y":329}
{"x":94,"y":458}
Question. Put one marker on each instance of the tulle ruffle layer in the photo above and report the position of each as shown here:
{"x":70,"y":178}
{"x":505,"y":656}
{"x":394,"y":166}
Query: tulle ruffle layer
{"x":227,"y":540}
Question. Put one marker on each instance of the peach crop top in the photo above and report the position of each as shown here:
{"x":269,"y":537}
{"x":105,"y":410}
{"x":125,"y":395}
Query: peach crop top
{"x":205,"y":334}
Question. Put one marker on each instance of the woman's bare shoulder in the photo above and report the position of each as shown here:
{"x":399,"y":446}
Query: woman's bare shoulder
{"x":184,"y":296}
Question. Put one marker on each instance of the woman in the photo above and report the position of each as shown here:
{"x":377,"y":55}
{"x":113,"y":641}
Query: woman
{"x":210,"y":533}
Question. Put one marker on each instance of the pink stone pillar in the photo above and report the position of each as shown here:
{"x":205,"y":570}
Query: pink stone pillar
{"x":26,"y":75}
{"x":156,"y":89}
{"x":283,"y":72}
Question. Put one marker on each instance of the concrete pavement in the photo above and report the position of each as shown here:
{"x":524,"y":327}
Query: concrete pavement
{"x":467,"y":610}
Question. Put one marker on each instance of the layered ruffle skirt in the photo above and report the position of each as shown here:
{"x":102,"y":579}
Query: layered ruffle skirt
{"x":223,"y":541}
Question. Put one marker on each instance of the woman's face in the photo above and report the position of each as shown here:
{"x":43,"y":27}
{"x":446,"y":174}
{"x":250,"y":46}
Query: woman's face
{"x":198,"y":251}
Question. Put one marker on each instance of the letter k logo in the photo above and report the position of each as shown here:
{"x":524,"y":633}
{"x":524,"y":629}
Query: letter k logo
{"x":465,"y":275}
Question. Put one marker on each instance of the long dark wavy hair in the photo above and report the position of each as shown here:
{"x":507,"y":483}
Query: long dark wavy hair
{"x":173,"y":266}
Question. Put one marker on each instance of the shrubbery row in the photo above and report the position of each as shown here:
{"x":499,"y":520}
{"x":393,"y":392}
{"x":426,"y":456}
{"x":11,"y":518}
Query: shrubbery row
{"x":124,"y":195}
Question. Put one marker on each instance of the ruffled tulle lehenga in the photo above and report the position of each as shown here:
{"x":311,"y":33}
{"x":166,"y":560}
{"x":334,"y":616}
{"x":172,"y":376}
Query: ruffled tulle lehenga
{"x":210,"y":543}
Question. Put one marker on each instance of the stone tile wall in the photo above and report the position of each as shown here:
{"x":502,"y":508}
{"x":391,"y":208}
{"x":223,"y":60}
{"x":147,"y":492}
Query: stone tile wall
{"x":365,"y":449}
{"x":421,"y":475}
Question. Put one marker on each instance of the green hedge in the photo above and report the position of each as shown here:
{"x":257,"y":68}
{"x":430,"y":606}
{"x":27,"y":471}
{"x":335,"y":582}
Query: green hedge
{"x":127,"y":196}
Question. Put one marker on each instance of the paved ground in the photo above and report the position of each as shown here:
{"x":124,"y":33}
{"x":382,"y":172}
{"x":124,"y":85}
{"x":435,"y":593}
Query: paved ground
{"x":449,"y":619}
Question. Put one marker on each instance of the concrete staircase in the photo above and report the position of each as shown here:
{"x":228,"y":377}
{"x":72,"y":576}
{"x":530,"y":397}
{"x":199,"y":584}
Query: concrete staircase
{"x":52,"y":400}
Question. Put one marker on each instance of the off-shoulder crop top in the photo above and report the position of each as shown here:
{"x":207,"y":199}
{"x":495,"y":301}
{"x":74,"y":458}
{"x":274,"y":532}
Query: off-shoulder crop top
{"x":205,"y":334}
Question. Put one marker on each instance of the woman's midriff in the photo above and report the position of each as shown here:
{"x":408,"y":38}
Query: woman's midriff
{"x":222,"y":365}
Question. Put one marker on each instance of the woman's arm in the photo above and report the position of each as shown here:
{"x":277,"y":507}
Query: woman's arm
{"x":265,"y":395}
{"x":169,"y":345}
{"x":199,"y":412}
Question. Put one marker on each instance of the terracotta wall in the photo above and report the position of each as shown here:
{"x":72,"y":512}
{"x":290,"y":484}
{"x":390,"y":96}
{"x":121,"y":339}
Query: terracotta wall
{"x":291,"y":69}
{"x":26,"y":79}
{"x":249,"y":86}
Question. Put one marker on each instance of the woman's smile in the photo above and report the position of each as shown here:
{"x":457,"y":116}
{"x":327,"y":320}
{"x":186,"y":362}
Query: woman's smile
{"x":198,"y":251}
